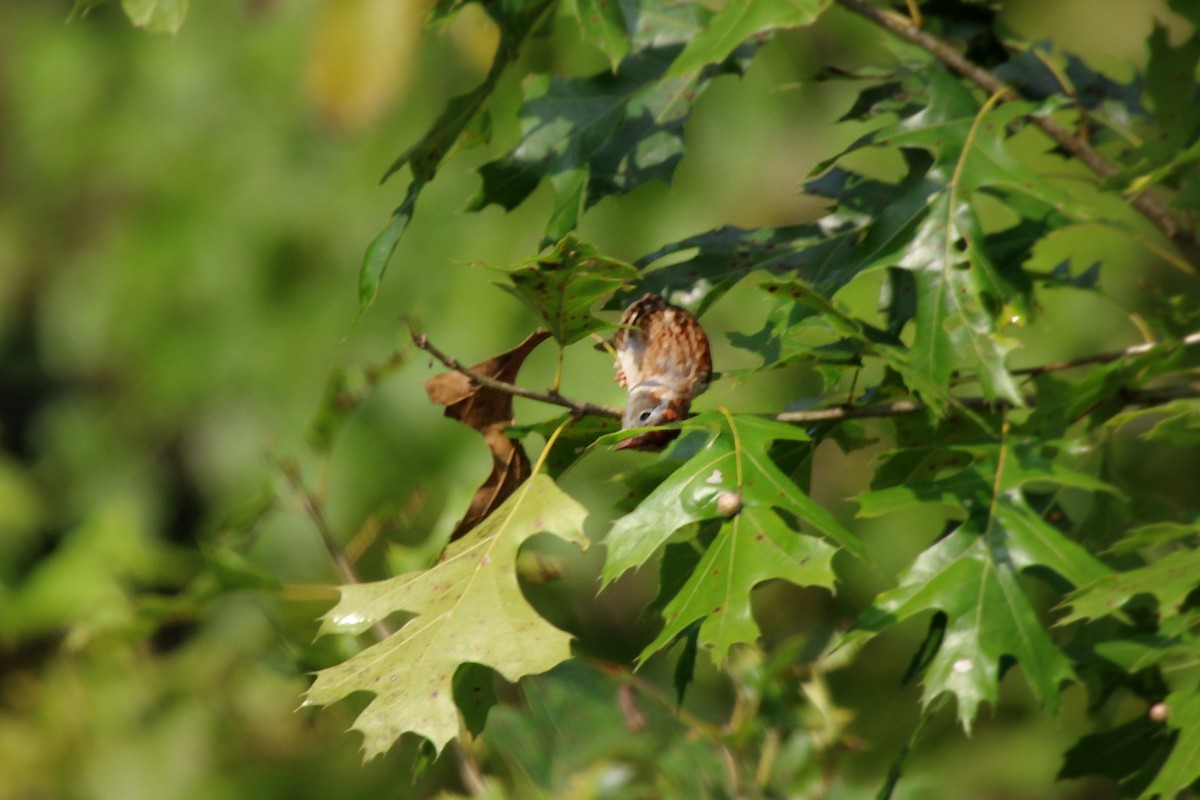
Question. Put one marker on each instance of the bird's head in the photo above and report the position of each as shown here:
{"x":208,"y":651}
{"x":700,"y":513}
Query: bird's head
{"x":651,"y":404}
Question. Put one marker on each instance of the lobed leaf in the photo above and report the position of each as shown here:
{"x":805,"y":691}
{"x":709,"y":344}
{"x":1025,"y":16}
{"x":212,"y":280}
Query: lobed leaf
{"x":973,"y":577}
{"x":467,"y":609}
{"x":563,"y":285}
{"x":753,"y":547}
{"x":603,"y":23}
{"x":734,"y":460}
{"x":1170,"y":580}
{"x":601,"y":135}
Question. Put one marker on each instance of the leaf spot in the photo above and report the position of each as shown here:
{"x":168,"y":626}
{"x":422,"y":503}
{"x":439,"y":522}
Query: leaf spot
{"x":963,"y":665}
{"x":715,"y":477}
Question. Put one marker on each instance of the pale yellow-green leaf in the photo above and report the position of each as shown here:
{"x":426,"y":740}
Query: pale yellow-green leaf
{"x":467,"y":608}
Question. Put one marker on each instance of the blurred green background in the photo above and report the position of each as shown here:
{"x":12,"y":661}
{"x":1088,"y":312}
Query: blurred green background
{"x":181,"y":222}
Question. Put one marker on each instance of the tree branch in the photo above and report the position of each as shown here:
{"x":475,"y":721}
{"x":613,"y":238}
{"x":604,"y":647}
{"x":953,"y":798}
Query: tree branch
{"x":899,"y":408}
{"x":894,"y":408}
{"x":1154,"y":211}
{"x":578,"y":407}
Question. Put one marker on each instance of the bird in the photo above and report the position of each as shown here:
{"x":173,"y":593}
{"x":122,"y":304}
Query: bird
{"x":664,"y":360}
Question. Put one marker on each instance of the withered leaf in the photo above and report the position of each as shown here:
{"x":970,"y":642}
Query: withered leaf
{"x":488,"y":411}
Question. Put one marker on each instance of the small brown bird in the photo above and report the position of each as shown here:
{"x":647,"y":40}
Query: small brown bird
{"x":663,"y":358}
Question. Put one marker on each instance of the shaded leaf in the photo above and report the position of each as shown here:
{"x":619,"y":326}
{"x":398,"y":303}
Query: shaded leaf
{"x":752,"y":547}
{"x":379,"y":252}
{"x":973,"y":576}
{"x":572,"y":443}
{"x":467,"y":609}
{"x":600,"y":135}
{"x":869,"y":228}
{"x":563,"y":285}
{"x":1116,"y":753}
{"x":474,"y":694}
{"x":1039,"y":73}
{"x":490,"y":412}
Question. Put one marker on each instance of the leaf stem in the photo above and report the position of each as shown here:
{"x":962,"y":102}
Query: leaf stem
{"x":1076,"y":146}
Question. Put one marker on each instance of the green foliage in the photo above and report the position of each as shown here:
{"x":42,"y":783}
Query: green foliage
{"x":982,"y":328}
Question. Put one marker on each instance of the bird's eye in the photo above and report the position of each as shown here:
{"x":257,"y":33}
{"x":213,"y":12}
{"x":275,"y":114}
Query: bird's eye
{"x":645,"y":416}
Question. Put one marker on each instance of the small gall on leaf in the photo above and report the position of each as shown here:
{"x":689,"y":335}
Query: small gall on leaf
{"x":1159,"y":712}
{"x":729,"y":503}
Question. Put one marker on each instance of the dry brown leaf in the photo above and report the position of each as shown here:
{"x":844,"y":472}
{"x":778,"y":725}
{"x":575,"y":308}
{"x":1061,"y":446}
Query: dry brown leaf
{"x":488,"y":411}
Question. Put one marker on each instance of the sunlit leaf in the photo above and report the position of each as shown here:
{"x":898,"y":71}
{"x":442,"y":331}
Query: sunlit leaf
{"x":734,"y":461}
{"x":603,"y":24}
{"x":467,"y":608}
{"x":738,"y":21}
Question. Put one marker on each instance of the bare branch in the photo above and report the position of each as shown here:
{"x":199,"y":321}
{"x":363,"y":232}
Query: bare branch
{"x":899,"y":408}
{"x":1076,"y":146}
{"x":578,"y":407}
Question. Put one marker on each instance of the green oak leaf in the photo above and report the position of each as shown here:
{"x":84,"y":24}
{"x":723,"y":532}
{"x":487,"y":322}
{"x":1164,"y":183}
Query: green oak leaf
{"x":974,"y":577}
{"x":1171,"y":87}
{"x":600,"y":135}
{"x":734,"y":460}
{"x":1169,"y":579}
{"x":752,"y":547}
{"x":563,"y":285}
{"x":872,"y":222}
{"x":458,"y":125}
{"x":739,"y":20}
{"x":467,"y":609}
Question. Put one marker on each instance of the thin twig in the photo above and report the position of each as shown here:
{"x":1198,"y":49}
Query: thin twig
{"x":578,"y":407}
{"x":1072,"y":144}
{"x":899,"y":408}
{"x":1103,"y":358}
{"x":312,"y":507}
